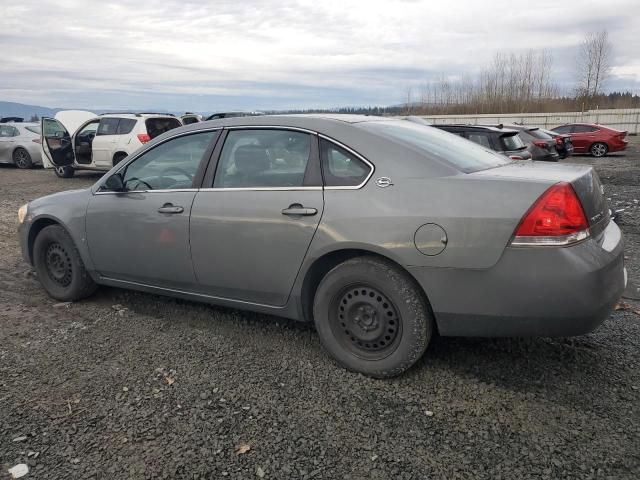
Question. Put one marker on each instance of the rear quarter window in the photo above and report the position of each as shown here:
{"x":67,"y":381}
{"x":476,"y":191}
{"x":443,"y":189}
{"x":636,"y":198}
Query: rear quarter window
{"x":34,"y":129}
{"x":458,"y":152}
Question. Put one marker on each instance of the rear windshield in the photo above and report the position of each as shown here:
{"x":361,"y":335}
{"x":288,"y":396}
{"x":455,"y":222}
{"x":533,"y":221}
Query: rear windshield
{"x":466,"y":156}
{"x":512,"y":142}
{"x":537,"y":133}
{"x":34,"y":129}
{"x":158,"y":125}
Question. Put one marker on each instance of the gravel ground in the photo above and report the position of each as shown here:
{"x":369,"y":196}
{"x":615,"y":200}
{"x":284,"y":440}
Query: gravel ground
{"x":131,"y":385}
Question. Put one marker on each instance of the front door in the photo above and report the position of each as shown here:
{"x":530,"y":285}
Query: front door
{"x":141,"y":234}
{"x":250,"y":232}
{"x":56,"y":143}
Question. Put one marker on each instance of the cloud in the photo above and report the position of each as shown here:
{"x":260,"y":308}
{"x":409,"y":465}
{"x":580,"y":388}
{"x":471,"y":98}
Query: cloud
{"x":263,"y":54}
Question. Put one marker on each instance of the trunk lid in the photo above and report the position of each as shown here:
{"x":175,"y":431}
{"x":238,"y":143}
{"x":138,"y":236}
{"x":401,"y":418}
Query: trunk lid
{"x":583,"y":179}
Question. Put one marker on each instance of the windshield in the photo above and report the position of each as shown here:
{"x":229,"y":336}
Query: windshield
{"x":512,"y":142}
{"x":466,"y":156}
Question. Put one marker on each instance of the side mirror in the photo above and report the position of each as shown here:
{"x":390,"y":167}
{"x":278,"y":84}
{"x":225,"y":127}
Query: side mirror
{"x":114,"y":183}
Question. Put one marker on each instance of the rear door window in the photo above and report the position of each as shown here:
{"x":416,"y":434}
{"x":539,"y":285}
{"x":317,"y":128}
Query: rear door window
{"x":108,"y":126}
{"x":583,"y":129}
{"x":340,"y":167}
{"x":125,"y":126}
{"x":256,"y":158}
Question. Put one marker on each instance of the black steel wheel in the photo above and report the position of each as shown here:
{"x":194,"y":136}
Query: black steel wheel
{"x":372,"y":316}
{"x":59,"y":265}
{"x":365,"y":322}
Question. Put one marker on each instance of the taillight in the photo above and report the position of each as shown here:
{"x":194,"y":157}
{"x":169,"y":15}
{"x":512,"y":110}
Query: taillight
{"x":516,"y":157}
{"x":540,"y":143}
{"x":144,"y":137}
{"x":559,"y":141}
{"x":557,"y":218}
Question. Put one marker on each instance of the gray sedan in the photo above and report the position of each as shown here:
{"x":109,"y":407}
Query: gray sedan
{"x":20,"y":144}
{"x":381,"y":231}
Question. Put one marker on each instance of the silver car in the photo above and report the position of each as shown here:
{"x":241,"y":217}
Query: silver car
{"x":20,"y":144}
{"x":382,"y":232}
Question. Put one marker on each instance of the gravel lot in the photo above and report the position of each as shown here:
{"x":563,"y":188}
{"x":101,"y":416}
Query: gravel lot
{"x":131,"y":385}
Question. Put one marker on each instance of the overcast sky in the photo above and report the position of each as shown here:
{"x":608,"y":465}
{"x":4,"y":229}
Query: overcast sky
{"x":266,"y":54}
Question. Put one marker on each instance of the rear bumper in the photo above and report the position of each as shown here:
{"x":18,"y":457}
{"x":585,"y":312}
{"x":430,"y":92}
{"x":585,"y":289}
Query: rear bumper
{"x":538,"y":291}
{"x":618,"y":146}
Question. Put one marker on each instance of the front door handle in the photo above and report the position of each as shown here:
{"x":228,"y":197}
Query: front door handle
{"x":297,"y":209}
{"x":170,"y":208}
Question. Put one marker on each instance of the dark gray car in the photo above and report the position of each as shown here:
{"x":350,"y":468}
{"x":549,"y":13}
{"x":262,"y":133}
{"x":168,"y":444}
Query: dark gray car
{"x":502,"y":140}
{"x":380,"y":231}
{"x":541,"y":146}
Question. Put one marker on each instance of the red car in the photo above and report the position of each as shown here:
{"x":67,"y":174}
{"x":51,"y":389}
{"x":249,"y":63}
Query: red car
{"x":595,"y":139}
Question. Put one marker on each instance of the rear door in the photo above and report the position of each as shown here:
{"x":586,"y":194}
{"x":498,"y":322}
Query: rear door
{"x":251,"y":228}
{"x":582,"y":137}
{"x":7,"y":142}
{"x":105,"y":142}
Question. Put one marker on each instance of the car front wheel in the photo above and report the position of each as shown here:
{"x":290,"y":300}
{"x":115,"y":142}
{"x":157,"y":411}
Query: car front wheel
{"x":372,"y":317}
{"x":599,"y":149}
{"x":59,"y":266}
{"x":64,"y":172}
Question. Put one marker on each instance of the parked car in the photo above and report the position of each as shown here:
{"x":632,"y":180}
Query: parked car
{"x":219,"y":115}
{"x":11,"y":120}
{"x":541,"y":146}
{"x":189,"y":118}
{"x":501,"y":140}
{"x":564,"y":145}
{"x":381,"y":231}
{"x":79,"y":140}
{"x":20,"y":144}
{"x":597,"y":140}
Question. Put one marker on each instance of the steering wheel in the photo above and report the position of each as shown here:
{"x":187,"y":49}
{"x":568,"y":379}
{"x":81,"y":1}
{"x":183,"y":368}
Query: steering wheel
{"x":140,"y":182}
{"x":179,"y":171}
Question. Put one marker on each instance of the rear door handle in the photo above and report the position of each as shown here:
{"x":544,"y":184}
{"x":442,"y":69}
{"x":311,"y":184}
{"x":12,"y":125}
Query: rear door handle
{"x":170,"y":208}
{"x":297,"y":209}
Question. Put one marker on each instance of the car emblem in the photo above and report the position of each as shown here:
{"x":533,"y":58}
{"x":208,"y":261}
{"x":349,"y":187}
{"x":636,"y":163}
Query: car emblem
{"x":384,"y":182}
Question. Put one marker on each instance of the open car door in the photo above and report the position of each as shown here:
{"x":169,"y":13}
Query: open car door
{"x":57,"y":136}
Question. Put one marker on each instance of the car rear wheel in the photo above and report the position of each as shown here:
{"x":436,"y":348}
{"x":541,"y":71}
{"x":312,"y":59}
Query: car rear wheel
{"x":372,"y":317}
{"x":599,"y":149}
{"x":64,"y":172}
{"x":59,"y":266}
{"x":22,"y":159}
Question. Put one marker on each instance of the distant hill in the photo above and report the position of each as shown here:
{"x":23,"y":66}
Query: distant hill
{"x":12,"y":109}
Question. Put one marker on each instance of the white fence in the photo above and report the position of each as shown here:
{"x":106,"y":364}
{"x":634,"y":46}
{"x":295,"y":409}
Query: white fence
{"x":621,"y":119}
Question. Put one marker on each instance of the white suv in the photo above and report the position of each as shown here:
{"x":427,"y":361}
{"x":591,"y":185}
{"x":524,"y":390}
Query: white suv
{"x":78,"y":140}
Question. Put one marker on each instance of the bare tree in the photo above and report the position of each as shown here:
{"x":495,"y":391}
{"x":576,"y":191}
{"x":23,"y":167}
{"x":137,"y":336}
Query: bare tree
{"x":594,"y":64}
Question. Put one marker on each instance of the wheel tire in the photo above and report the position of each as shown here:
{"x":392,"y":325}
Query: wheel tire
{"x":599,"y":149}
{"x":59,"y":266}
{"x":118,"y":157}
{"x":386,"y":322}
{"x":64,"y":172}
{"x":22,"y":159}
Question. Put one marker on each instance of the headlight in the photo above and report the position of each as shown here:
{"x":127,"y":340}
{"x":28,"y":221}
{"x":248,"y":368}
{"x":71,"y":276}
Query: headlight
{"x":22,"y":212}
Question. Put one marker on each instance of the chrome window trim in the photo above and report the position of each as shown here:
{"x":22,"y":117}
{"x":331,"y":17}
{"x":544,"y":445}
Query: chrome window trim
{"x":270,"y":127}
{"x":260,"y":189}
{"x":356,"y":154}
{"x":165,"y":190}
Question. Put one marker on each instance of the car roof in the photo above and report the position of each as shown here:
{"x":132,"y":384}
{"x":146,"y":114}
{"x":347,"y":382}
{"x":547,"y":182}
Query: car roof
{"x":136,"y":115}
{"x":477,"y":127}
